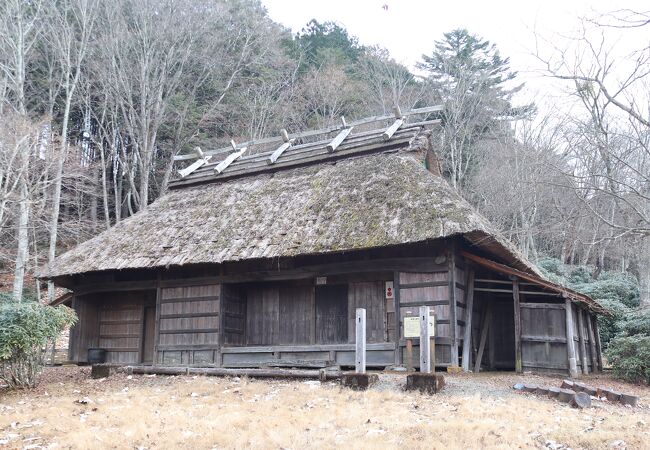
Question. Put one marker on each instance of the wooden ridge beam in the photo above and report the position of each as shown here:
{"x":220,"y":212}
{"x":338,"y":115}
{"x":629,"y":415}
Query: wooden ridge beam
{"x":326,"y":130}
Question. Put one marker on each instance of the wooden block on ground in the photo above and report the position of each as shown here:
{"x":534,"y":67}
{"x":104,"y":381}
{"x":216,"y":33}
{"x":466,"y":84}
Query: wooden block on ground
{"x":567,"y":384}
{"x":590,"y":390}
{"x":553,"y":392}
{"x":579,"y":387}
{"x":542,"y":390}
{"x":102,"y":370}
{"x":428,"y":383}
{"x":530,"y":387}
{"x":566,"y":395}
{"x":581,"y":400}
{"x":613,"y":396}
{"x":359,"y":381}
{"x":627,"y":399}
{"x":454,"y":369}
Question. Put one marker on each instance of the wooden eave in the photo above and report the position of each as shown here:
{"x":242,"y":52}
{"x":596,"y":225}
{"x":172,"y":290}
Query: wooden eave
{"x":545,"y":284}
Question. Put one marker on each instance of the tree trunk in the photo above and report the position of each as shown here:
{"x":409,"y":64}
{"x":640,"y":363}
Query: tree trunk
{"x":22,"y":255}
{"x":644,"y":272}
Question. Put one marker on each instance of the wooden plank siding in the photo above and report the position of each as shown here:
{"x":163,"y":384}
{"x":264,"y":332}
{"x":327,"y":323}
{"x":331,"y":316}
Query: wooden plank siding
{"x":428,"y":289}
{"x":189,"y":325}
{"x":543,"y":329}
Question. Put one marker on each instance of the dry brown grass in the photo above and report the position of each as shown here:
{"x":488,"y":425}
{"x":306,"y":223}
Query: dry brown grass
{"x":205,"y":412}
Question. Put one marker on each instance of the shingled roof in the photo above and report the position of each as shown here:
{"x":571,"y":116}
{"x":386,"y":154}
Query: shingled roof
{"x":369,"y":193}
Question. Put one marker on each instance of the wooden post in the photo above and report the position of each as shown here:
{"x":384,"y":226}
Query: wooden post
{"x":469,"y":306}
{"x":599,"y":348}
{"x":398,"y":319}
{"x":360,"y":353}
{"x":432,"y":352}
{"x":592,"y":344}
{"x":487,"y":317}
{"x":409,"y":355}
{"x":570,"y":345}
{"x":425,"y":342}
{"x":517,"y":311}
{"x":583,"y":344}
{"x":452,"y":307}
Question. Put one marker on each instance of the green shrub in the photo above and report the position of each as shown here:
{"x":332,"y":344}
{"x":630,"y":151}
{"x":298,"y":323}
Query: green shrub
{"x":630,"y":357}
{"x":26,"y":328}
{"x":611,"y":326}
{"x":636,"y":322}
{"x":611,"y":285}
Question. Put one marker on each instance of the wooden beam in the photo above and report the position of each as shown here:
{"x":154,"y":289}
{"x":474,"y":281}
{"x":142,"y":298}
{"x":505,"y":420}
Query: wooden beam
{"x":583,"y":343}
{"x":223,"y":165}
{"x":332,"y":146}
{"x":599,"y":348}
{"x":570,"y":345}
{"x":517,"y":315}
{"x":452,"y":307}
{"x":390,"y":131}
{"x":278,"y":152}
{"x":360,"y":344}
{"x":281,"y":149}
{"x":194,"y":166}
{"x":592,"y":344}
{"x":487,"y":318}
{"x":565,"y":292}
{"x":398,"y":319}
{"x":469,"y":306}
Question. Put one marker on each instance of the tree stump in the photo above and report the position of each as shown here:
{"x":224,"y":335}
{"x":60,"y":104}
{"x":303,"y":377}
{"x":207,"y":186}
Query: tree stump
{"x":542,"y":390}
{"x":553,"y":392}
{"x":530,"y":387}
{"x":590,"y":390}
{"x":567,"y":384}
{"x":579,"y":387}
{"x":627,"y":399}
{"x":566,"y":395}
{"x":613,"y":396}
{"x":581,"y":400}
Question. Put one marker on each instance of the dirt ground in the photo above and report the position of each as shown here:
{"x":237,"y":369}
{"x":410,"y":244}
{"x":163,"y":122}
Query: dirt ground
{"x":71,"y":410}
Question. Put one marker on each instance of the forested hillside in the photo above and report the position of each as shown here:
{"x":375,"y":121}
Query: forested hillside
{"x":96,"y":98}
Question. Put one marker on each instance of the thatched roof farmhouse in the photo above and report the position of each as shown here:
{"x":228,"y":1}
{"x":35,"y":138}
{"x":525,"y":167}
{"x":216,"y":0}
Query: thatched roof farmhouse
{"x":261,"y":257}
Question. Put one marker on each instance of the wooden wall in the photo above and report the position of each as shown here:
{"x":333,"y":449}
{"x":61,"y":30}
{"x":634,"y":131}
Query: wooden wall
{"x":85,"y":333}
{"x":431,"y":289}
{"x":189,"y":323}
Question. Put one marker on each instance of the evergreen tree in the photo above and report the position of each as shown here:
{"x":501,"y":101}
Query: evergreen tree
{"x":471,"y":79}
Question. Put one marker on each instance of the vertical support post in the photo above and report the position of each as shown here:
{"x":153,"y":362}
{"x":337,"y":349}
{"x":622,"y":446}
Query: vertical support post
{"x":487,"y":318}
{"x":570,"y":345}
{"x":398,"y":320}
{"x":592,"y":343}
{"x":156,"y":331}
{"x":517,"y":310}
{"x":469,"y":306}
{"x":599,"y":347}
{"x":409,"y":355}
{"x":432,"y":352}
{"x":425,"y":341}
{"x":452,"y":307}
{"x":360,"y":353}
{"x":583,"y":344}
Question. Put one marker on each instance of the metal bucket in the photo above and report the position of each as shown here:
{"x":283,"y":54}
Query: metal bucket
{"x":96,"y":355}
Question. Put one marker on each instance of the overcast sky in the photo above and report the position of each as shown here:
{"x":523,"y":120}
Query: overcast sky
{"x":408,"y":28}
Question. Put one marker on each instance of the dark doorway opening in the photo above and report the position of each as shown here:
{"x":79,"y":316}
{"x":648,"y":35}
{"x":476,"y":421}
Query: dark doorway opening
{"x":332,"y":314}
{"x":148,"y":334}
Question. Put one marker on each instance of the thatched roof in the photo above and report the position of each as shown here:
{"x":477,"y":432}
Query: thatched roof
{"x":372,"y":198}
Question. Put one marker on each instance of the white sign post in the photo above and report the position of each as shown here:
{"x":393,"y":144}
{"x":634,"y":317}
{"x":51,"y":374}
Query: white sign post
{"x":360,"y":352}
{"x":425,"y":342}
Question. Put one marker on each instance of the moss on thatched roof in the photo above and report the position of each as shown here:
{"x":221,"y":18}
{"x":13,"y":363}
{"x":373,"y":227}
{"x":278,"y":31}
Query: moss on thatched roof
{"x":363,"y":202}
